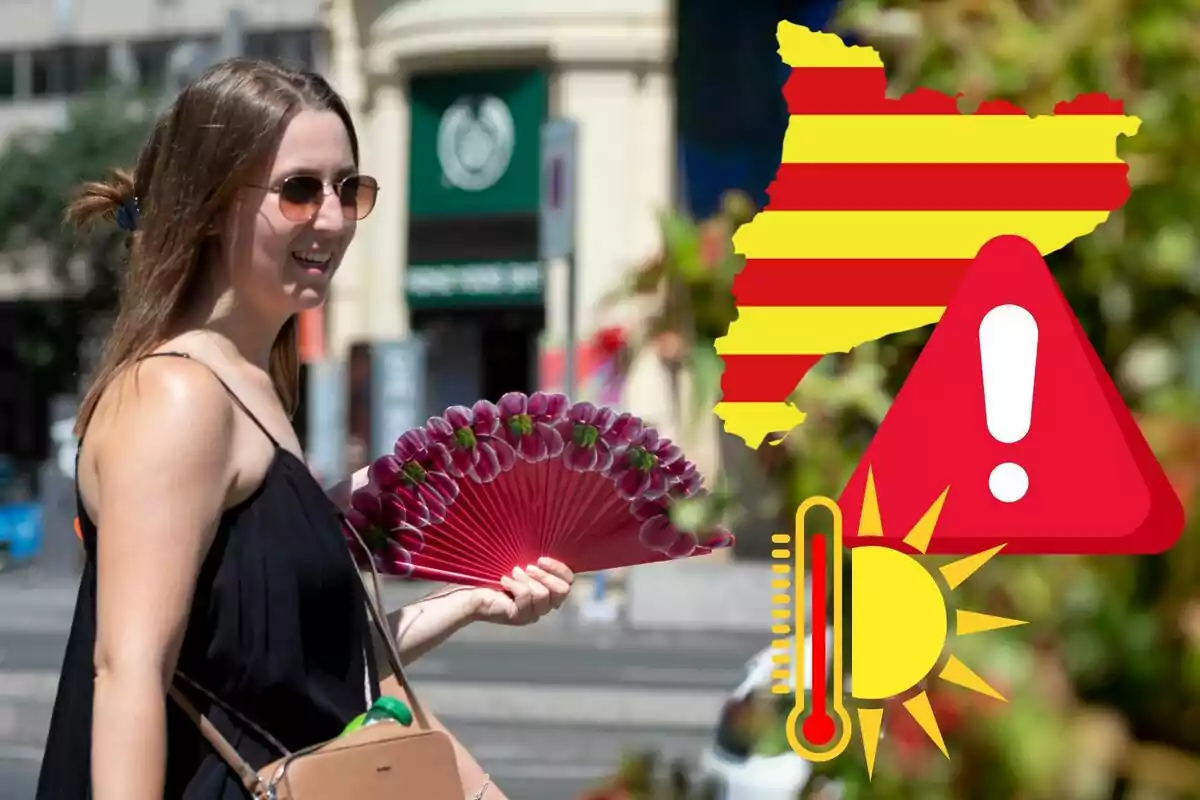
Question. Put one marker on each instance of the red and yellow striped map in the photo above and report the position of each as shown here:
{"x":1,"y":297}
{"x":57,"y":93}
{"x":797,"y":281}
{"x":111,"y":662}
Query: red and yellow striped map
{"x":880,"y":204}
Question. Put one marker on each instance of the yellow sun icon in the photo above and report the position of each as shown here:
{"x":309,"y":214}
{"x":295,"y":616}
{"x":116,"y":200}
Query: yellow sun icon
{"x":900,"y":625}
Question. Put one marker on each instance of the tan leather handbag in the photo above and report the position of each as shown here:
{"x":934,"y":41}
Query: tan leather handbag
{"x":387,"y":760}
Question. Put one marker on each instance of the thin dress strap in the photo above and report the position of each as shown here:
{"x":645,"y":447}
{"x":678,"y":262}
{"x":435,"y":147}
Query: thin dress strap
{"x":232,"y":395}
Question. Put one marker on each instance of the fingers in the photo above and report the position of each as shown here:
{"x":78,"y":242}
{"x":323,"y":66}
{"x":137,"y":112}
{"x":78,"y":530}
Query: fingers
{"x":557,"y":588}
{"x":557,"y":569}
{"x":536,"y":590}
{"x":521,"y":599}
{"x":539,"y":593}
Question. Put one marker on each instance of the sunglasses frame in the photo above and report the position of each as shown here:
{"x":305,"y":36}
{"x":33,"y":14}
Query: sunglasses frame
{"x":327,"y":188}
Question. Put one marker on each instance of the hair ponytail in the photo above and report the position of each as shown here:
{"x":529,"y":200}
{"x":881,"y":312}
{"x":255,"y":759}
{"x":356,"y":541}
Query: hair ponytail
{"x":97,"y":200}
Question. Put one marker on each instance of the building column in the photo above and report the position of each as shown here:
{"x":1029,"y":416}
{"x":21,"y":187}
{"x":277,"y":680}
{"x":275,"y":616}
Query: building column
{"x":387,"y":259}
{"x":345,"y":320}
{"x":602,"y":102}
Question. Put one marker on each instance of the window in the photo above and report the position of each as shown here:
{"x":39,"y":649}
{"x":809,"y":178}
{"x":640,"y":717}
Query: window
{"x":292,"y":48}
{"x":46,"y":73}
{"x":86,"y":69}
{"x":8,"y":75}
{"x":263,"y":45}
{"x":64,"y":70}
{"x":152,"y":58}
{"x":297,"y":47}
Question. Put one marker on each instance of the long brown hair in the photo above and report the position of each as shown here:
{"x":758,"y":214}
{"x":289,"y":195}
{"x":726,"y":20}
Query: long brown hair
{"x":222,"y":129}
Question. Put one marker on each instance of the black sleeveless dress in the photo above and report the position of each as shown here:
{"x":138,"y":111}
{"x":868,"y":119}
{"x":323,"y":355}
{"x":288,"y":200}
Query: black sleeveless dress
{"x":277,"y":630}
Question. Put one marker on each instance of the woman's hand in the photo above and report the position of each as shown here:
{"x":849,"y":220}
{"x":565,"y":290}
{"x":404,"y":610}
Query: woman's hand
{"x":536,"y":591}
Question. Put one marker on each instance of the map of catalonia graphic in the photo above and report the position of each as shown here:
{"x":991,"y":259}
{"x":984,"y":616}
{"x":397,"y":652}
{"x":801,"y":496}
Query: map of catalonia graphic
{"x":879,"y":206}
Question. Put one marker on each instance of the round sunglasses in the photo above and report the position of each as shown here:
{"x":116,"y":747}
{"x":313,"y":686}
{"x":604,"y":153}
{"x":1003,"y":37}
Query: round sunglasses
{"x":301,"y":196}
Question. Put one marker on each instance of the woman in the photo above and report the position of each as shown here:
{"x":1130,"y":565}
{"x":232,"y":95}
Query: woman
{"x":211,"y":548}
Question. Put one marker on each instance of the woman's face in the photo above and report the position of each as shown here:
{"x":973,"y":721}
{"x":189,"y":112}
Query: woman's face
{"x":279,"y":263}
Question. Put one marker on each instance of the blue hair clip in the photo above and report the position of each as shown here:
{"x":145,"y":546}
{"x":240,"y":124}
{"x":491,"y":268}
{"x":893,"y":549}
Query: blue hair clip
{"x":128,"y":215}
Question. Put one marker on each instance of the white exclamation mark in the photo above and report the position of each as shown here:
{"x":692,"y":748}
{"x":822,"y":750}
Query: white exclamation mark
{"x":1008,"y":339}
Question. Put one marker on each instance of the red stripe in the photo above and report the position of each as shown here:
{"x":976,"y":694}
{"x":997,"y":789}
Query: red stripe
{"x":863,"y":90}
{"x":949,"y":187}
{"x":817,"y":567}
{"x":848,"y":282}
{"x":762,"y":379}
{"x":1094,"y":104}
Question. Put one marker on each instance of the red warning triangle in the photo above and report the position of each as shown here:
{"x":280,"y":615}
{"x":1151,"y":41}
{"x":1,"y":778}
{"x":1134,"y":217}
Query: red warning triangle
{"x":1053,"y":440}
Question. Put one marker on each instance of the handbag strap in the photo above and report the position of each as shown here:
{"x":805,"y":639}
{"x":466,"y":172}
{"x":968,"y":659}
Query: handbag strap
{"x":249,"y":777}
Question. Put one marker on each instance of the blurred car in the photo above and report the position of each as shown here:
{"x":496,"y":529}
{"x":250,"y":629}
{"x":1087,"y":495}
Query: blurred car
{"x":20,"y":533}
{"x":750,"y":757}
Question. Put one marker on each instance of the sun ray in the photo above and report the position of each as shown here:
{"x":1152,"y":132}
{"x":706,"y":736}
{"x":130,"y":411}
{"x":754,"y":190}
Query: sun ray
{"x":960,"y":674}
{"x":870,"y":723}
{"x":969,"y":622}
{"x":921,"y":711}
{"x":957,"y":572}
{"x":869,"y":522}
{"x":918,"y":538}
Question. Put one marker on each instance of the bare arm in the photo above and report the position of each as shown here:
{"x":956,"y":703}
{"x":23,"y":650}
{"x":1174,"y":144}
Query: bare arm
{"x":528,"y":595}
{"x":425,"y":624}
{"x":163,"y":467}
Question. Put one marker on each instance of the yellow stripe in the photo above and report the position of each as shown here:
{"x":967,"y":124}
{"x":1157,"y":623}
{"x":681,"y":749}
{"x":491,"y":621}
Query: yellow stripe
{"x":904,"y":234}
{"x":955,"y":139}
{"x":751,"y":422}
{"x":800,"y":47}
{"x":754,"y":421}
{"x":807,"y":330}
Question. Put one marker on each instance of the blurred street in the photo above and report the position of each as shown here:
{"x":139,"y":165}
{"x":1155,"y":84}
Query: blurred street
{"x":548,"y":710}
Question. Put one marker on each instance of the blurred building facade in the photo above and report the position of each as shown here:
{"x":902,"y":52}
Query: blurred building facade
{"x":450,"y":96}
{"x":54,"y":51}
{"x":51,"y":53}
{"x":676,"y":101}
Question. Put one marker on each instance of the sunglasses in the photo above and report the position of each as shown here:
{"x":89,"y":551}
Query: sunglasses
{"x":301,"y":196}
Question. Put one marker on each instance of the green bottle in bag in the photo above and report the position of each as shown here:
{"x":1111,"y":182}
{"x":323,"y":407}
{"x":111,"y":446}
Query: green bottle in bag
{"x":385,"y":709}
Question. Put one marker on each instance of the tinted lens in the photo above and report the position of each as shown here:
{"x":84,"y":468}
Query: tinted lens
{"x":300,"y":197}
{"x":357,"y":195}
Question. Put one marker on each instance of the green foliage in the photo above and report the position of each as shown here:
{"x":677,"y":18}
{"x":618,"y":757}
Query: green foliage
{"x":42,"y":170}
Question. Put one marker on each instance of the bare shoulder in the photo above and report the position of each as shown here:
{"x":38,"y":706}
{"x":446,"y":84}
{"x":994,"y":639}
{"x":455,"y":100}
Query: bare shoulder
{"x":160,"y":411}
{"x":174,"y":398}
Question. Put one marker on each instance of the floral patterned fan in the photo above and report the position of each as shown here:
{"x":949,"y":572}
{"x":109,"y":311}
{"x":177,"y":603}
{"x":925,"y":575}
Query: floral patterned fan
{"x":478,"y":491}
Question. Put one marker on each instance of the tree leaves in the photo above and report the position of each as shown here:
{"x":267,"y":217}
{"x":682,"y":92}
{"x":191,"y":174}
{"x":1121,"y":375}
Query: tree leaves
{"x":42,"y":169}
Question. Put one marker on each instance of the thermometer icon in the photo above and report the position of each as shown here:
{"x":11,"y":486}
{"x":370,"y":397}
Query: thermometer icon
{"x":818,"y":730}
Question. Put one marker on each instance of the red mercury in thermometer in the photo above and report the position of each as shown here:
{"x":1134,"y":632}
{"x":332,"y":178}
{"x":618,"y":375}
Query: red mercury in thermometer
{"x":820,"y":730}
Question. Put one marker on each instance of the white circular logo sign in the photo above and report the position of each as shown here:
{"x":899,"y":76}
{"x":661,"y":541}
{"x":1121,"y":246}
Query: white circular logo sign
{"x":475,"y":142}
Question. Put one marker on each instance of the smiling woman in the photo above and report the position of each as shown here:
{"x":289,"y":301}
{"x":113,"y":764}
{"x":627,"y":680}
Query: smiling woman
{"x":216,"y":570}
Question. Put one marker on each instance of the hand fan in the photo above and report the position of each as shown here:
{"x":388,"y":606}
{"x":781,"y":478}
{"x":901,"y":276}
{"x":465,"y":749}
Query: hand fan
{"x":478,"y":491}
